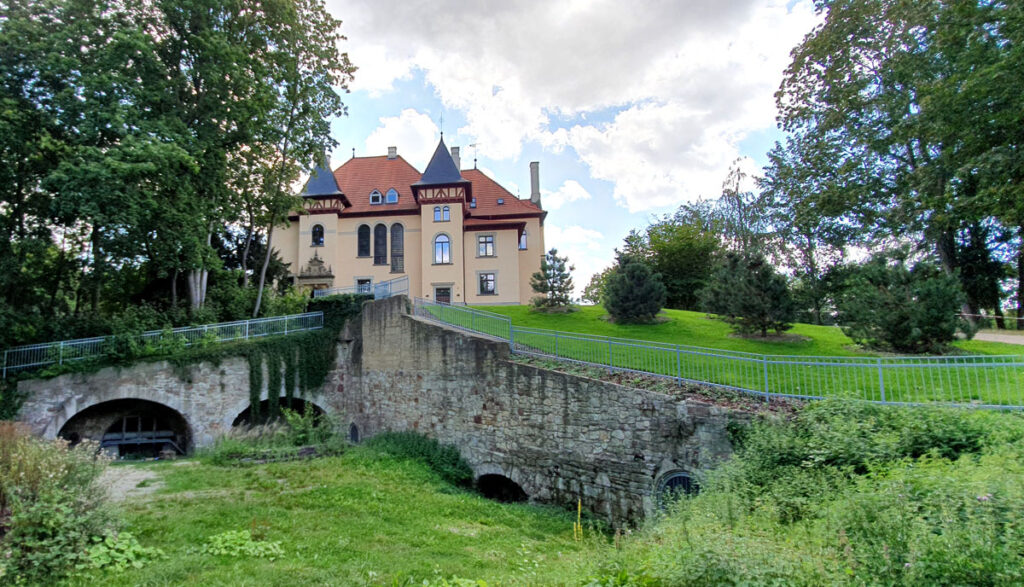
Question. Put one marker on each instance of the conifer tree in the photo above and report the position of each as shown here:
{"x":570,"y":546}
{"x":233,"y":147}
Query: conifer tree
{"x":553,"y":282}
{"x":633,"y":293}
{"x":746,"y":292}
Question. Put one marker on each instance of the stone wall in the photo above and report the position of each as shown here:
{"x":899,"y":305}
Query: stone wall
{"x":208,"y":396}
{"x":560,"y":437}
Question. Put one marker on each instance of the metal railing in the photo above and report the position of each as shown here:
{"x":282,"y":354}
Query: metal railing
{"x":384,"y":289}
{"x":31,"y":356}
{"x":989,"y":381}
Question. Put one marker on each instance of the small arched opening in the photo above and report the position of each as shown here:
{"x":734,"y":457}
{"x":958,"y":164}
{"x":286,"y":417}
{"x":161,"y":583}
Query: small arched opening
{"x":676,"y":485}
{"x":500,"y":488}
{"x":296,"y":405}
{"x":130,"y":428}
{"x":353,"y":433}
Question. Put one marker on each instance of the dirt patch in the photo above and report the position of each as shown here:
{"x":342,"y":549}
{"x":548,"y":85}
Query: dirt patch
{"x":128,"y":482}
{"x":994,"y":337}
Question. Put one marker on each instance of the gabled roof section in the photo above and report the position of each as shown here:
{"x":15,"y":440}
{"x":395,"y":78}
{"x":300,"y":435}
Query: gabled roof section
{"x":441,"y":170}
{"x":487,"y":193}
{"x":359,"y":176}
{"x":321,"y":182}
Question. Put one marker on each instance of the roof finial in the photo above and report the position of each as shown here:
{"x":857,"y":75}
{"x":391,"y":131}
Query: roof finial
{"x":442,"y":125}
{"x":353,"y":152}
{"x":473,"y":146}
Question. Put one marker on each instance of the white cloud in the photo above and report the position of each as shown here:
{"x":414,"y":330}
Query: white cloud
{"x":414,"y":133}
{"x":686,"y":81}
{"x":570,"y":191}
{"x":587,"y":249}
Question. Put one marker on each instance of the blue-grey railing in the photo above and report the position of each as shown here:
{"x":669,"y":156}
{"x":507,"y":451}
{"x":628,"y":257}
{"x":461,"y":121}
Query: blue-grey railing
{"x":384,"y":289}
{"x":981,"y":381}
{"x":31,"y":356}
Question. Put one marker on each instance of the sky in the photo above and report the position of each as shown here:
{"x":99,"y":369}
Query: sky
{"x":631,"y":107}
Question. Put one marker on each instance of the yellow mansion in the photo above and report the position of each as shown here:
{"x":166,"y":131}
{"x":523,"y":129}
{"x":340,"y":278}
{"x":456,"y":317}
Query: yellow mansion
{"x":457,"y":235}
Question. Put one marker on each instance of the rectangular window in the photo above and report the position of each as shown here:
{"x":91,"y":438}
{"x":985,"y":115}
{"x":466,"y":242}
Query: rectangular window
{"x":487,"y":284}
{"x":485,"y":246}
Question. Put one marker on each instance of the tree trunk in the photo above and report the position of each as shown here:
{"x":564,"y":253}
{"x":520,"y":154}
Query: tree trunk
{"x":174,"y":289}
{"x":263,"y":272}
{"x":245,"y":252}
{"x":197,"y":280}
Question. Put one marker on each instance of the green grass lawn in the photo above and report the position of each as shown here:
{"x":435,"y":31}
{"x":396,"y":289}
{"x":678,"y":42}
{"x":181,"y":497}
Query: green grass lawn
{"x":359,"y":519}
{"x":855,"y":374}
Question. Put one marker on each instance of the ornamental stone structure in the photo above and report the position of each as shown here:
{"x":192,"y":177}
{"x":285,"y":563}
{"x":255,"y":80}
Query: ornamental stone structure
{"x":456,"y":234}
{"x":527,"y":432}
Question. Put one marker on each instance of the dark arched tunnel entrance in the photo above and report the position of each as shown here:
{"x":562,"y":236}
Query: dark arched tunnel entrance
{"x":130,"y":428}
{"x":295,"y":404}
{"x":500,"y":488}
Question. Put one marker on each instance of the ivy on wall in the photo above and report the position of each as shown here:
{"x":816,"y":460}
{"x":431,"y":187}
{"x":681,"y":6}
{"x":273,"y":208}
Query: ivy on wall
{"x":300,"y":361}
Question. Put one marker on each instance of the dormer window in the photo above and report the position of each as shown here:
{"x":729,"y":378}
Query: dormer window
{"x":392,"y":196}
{"x":472,"y":203}
{"x":501,"y":201}
{"x":376,"y":198}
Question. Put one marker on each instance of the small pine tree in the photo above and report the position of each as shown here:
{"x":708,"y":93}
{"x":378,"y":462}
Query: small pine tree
{"x":750,"y":295}
{"x":633,"y":292}
{"x":553,"y":282}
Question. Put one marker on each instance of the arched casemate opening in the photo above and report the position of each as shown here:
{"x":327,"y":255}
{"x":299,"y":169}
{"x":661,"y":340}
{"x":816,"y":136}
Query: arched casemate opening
{"x":297,"y":405}
{"x":129,"y":428}
{"x":500,"y":488}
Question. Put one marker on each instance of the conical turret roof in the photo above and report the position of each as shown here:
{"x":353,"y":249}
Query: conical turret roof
{"x":441,"y":170}
{"x":321,"y":182}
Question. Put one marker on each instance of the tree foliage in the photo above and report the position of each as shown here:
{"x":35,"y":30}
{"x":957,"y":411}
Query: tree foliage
{"x":747,"y":293}
{"x":911,"y":110}
{"x":887,"y":304}
{"x":594,"y":292}
{"x":553,"y":282}
{"x":634,"y":293}
{"x":133,"y":132}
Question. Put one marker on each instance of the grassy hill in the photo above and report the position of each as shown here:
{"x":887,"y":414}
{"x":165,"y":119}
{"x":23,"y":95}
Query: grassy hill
{"x":697,"y":329}
{"x":363,"y":518}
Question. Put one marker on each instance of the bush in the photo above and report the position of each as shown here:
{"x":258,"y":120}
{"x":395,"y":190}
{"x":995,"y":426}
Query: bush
{"x":889,"y":306}
{"x":51,"y":505}
{"x":443,"y":459}
{"x":553,"y":282}
{"x":633,"y":293}
{"x":748,"y":294}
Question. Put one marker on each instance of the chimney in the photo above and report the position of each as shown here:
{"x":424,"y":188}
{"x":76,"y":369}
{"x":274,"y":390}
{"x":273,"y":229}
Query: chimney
{"x":535,"y":183}
{"x":456,"y":159}
{"x":392,"y":152}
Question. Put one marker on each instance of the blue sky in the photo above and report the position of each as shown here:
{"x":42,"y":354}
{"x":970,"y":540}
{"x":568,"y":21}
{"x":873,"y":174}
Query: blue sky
{"x":631,"y":108}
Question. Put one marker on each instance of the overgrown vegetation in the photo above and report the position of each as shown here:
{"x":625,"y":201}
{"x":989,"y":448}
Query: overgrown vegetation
{"x":54,"y":519}
{"x":849,"y":494}
{"x":293,"y":434}
{"x":443,"y":459}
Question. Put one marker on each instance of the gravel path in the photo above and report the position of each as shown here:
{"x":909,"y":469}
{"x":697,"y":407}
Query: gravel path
{"x":124,"y":482}
{"x":994,"y":337}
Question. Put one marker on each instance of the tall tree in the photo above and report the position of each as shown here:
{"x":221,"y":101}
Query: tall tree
{"x":553,"y":282}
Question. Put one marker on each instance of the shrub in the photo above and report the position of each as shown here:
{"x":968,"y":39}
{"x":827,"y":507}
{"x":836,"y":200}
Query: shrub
{"x":241,"y":543}
{"x":748,"y":294}
{"x":443,"y":459}
{"x":53,"y":504}
{"x":633,"y":292}
{"x":889,"y":306}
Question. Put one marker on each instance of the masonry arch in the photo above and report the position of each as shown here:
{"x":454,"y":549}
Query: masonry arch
{"x":298,"y":404}
{"x":129,"y":427}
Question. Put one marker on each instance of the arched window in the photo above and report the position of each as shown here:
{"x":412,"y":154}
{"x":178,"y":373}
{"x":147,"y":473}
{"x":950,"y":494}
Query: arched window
{"x":437,"y":214}
{"x":446,"y":214}
{"x":391,"y":197}
{"x":318,"y":236}
{"x":380,"y":245}
{"x":376,"y":198}
{"x":522,"y":241}
{"x":397,"y":248}
{"x":442,"y":249}
{"x":364,"y":241}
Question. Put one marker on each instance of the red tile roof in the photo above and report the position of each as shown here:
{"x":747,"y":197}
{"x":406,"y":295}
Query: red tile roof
{"x":359,"y":176}
{"x":487,"y":193}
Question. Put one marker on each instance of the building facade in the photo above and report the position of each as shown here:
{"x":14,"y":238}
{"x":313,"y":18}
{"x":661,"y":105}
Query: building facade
{"x":456,"y":234}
